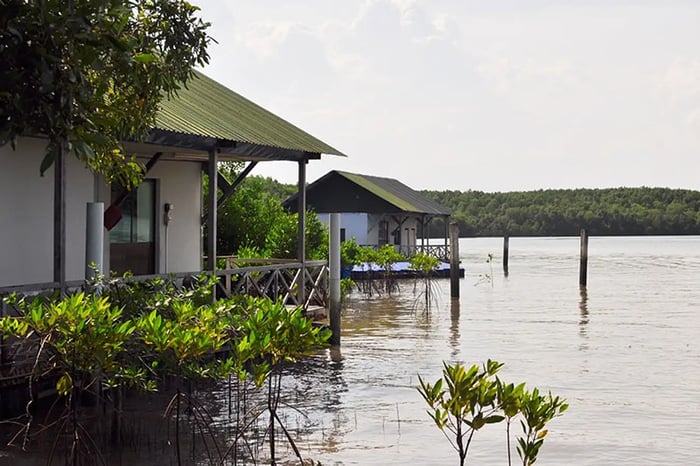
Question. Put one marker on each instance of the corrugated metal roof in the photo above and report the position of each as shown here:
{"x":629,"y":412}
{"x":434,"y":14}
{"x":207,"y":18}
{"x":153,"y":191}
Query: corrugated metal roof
{"x":209,"y":109}
{"x":396,"y":193}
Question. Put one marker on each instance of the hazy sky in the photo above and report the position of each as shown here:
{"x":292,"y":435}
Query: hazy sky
{"x":492,"y":95}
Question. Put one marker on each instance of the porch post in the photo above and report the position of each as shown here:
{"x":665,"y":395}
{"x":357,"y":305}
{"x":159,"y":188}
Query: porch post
{"x":212,"y":217}
{"x":94,"y":239}
{"x":301,"y":245}
{"x":59,"y":219}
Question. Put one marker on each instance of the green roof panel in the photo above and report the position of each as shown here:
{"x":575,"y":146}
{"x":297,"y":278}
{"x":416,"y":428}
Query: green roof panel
{"x":377,"y":189}
{"x":209,"y":109}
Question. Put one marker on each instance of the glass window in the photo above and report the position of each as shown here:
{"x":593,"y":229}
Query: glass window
{"x":137,"y":224}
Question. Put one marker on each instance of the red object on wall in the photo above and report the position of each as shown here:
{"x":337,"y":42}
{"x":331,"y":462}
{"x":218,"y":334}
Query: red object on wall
{"x":113,"y":215}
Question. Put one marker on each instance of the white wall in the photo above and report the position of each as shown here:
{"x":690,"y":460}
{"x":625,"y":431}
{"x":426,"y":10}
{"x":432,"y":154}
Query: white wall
{"x":373,"y":229}
{"x":409,"y":229}
{"x":26,"y":215}
{"x":355,"y":225}
{"x":179,"y":184}
{"x":365,"y":228}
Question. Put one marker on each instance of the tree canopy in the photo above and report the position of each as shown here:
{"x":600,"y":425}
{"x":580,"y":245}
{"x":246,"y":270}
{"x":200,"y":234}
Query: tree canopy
{"x":89,"y":74}
{"x":253,"y":223}
{"x":556,"y":212}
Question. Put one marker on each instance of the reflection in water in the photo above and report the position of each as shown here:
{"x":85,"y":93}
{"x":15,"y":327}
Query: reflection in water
{"x":583,"y":308}
{"x":336,"y":356}
{"x":454,"y":327}
{"x":583,"y":320}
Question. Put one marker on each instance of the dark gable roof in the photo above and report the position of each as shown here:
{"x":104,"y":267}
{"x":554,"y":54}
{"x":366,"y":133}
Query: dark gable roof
{"x":339,"y":191}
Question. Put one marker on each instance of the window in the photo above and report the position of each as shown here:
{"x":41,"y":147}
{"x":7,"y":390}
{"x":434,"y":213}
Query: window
{"x":137,"y":224}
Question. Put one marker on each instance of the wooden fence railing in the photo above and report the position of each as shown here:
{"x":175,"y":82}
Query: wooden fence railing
{"x":439,"y":251}
{"x":296,"y":283}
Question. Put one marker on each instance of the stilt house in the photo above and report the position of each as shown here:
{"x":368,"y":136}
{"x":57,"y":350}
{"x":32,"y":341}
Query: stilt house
{"x":376,"y":211}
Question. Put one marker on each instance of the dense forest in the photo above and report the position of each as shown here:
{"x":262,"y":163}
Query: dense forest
{"x":552,"y":212}
{"x":558,"y":212}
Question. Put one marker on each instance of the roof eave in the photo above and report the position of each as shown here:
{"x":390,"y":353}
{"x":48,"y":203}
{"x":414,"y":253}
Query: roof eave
{"x":228,"y":149}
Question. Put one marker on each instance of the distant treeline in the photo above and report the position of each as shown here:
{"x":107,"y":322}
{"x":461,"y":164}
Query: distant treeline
{"x":561,"y":212}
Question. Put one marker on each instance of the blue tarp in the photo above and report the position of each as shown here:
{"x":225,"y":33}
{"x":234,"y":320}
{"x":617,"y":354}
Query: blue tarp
{"x":395,"y":267}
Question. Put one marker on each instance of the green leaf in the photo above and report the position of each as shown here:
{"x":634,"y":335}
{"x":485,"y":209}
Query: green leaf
{"x":83,"y":150}
{"x":48,"y":159}
{"x":145,"y":58}
{"x":64,"y":384}
{"x":495,"y":419}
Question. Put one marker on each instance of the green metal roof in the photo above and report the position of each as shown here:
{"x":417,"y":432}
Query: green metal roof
{"x":396,"y":193}
{"x":209,"y":109}
{"x":339,"y":191}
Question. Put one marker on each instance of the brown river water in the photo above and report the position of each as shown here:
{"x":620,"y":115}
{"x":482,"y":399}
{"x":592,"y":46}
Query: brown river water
{"x":625,"y":352}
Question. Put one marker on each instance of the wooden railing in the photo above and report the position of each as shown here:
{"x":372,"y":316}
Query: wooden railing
{"x":295,"y":283}
{"x":440,"y":251}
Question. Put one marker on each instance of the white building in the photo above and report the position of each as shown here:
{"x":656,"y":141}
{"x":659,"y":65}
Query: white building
{"x":374,"y":210}
{"x":160,"y":230}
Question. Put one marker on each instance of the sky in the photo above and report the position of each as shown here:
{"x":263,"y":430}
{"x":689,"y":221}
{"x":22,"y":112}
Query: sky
{"x":488,"y":95}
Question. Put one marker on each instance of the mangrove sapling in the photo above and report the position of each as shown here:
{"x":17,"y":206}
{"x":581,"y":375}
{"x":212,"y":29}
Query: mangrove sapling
{"x":509,"y":399}
{"x":463,"y":401}
{"x":487,"y":277}
{"x":469,"y":400}
{"x":276,"y":336}
{"x":180,"y":345}
{"x":367,"y":257}
{"x":537,"y":410}
{"x":387,"y":256}
{"x":79,"y":339}
{"x":346,"y":286}
{"x":425,"y":265}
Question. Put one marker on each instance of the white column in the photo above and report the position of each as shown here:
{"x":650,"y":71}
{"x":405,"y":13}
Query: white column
{"x":94,"y":239}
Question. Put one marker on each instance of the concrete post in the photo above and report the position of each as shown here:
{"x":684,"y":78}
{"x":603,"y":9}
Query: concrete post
{"x":94,"y":239}
{"x":334,"y":266}
{"x":301,"y":241}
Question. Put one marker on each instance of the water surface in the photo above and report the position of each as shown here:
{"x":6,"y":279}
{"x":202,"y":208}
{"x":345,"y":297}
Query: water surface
{"x":625,"y":352}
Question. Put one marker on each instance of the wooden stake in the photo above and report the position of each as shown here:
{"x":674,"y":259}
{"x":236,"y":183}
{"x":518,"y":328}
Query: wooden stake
{"x":505,"y":255}
{"x":334,"y":266}
{"x":454,"y":260}
{"x":583,"y":270}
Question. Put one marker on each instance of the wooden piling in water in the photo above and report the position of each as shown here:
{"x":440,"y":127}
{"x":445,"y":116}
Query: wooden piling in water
{"x":583,"y":269}
{"x":334,"y":266}
{"x":505,"y":255}
{"x":454,"y":260}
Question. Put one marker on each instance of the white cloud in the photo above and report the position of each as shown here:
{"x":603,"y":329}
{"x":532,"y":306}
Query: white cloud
{"x":448,"y":93}
{"x":681,"y":79}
